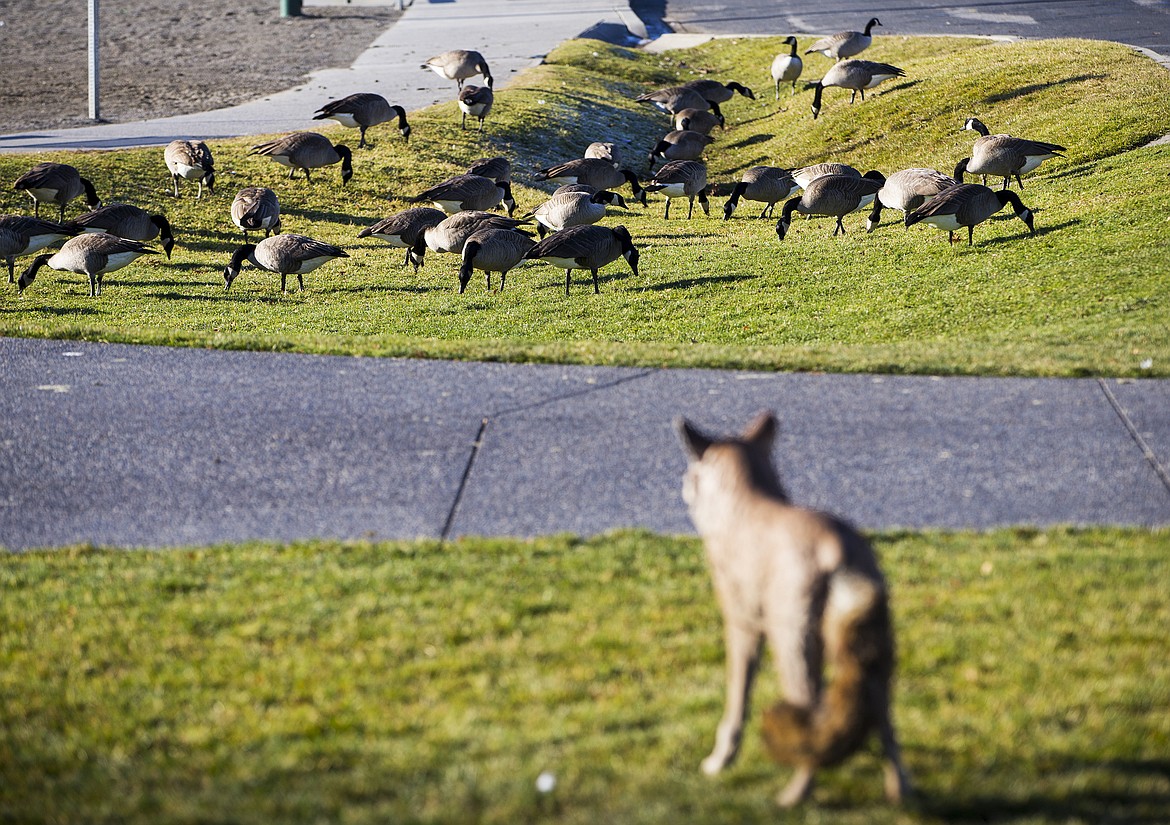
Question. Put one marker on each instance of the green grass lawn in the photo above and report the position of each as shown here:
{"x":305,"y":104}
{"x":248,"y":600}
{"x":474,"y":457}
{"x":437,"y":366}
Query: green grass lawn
{"x":420,"y":682}
{"x":1086,"y":295}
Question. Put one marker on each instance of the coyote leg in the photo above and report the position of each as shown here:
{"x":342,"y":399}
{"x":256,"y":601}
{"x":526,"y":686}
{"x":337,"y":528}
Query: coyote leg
{"x":743,"y":654}
{"x":798,"y":787}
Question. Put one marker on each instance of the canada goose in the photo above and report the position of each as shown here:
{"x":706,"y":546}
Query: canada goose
{"x":190,"y":160}
{"x":804,"y":174}
{"x":286,"y":254}
{"x":765,"y":184}
{"x":574,"y":187}
{"x":464,"y":192}
{"x":497,"y":169}
{"x":682,"y":179}
{"x":255,"y":208}
{"x":844,"y":44}
{"x":573,"y":209}
{"x":129,"y":222}
{"x":22,"y":235}
{"x":307,"y":150}
{"x":586,"y":247}
{"x":698,"y":120}
{"x":674,"y":99}
{"x":493,"y":250}
{"x":458,"y":65}
{"x":1003,"y":155}
{"x":56,"y":183}
{"x":361,"y":111}
{"x":832,"y":195}
{"x":681,"y":144}
{"x":605,"y":151}
{"x":405,"y":231}
{"x":93,"y":255}
{"x":967,"y":204}
{"x":477,"y":102}
{"x":786,"y":68}
{"x":906,"y":191}
{"x":450,"y":234}
{"x":715,"y":92}
{"x":594,"y":172}
{"x":855,"y":75}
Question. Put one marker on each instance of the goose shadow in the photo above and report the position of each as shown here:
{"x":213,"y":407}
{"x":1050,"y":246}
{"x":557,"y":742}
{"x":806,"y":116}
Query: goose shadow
{"x":1041,"y":231}
{"x":333,"y":217}
{"x":686,"y":283}
{"x":1024,"y":91}
{"x":57,"y":311}
{"x":750,"y":141}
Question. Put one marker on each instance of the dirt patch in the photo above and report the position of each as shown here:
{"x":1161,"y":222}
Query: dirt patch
{"x":166,"y":57}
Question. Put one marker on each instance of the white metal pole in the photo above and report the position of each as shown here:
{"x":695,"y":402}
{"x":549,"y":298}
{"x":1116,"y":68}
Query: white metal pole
{"x":94,"y":106}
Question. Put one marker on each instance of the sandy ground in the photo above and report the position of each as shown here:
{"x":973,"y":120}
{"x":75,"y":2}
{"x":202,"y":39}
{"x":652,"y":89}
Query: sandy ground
{"x":166,"y":57}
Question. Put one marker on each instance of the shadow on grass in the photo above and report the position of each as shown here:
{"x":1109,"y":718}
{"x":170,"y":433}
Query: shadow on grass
{"x":686,"y":283}
{"x":335,"y":217}
{"x":1024,"y":91}
{"x":57,"y":311}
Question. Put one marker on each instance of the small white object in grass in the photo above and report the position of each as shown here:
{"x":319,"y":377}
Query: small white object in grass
{"x":72,"y":354}
{"x":546,"y":782}
{"x":1147,"y":364}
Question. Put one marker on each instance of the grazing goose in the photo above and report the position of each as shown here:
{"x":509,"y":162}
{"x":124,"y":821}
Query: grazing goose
{"x":715,"y":92}
{"x":56,"y":183}
{"x":286,"y":254}
{"x":450,"y":234}
{"x":674,"y":99}
{"x":1003,"y":155}
{"x":844,"y":44}
{"x":574,"y":187}
{"x":129,"y":222}
{"x":604,"y":151}
{"x":493,"y":250}
{"x":804,"y":174}
{"x":586,"y":247}
{"x":498,"y":169}
{"x":22,"y":235}
{"x":786,"y":68}
{"x":405,"y":231}
{"x":361,"y":111}
{"x":765,"y":184}
{"x":307,"y":150}
{"x":832,"y":195}
{"x":477,"y":102}
{"x":682,"y":179}
{"x":458,"y":65}
{"x":855,"y":75}
{"x":255,"y":208}
{"x":681,"y":144}
{"x":906,"y":191}
{"x":190,"y":160}
{"x":469,"y":192}
{"x":92,"y":255}
{"x":967,"y":204}
{"x":698,"y":120}
{"x":573,"y":209}
{"x":595,"y":172}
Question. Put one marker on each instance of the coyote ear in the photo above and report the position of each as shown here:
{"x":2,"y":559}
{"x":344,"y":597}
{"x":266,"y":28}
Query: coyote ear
{"x":762,"y":430}
{"x":693,"y":441}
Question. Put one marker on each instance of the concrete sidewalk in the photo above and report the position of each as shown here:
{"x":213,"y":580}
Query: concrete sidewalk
{"x":511,"y":34}
{"x":157,"y":447}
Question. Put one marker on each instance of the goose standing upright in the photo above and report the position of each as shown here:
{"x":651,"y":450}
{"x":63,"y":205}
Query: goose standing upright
{"x":56,"y":183}
{"x":786,"y":68}
{"x":190,"y":160}
{"x":92,"y":255}
{"x":458,"y":65}
{"x":307,"y":150}
{"x":967,"y":204}
{"x":255,"y":208}
{"x":832,"y":195}
{"x":361,"y":111}
{"x":1003,"y":155}
{"x":855,"y":75}
{"x":22,"y":235}
{"x":129,"y":222}
{"x":845,"y":44}
{"x":284,"y":254}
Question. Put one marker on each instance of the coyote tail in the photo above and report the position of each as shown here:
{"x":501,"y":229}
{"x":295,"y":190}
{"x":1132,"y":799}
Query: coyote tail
{"x":859,"y":649}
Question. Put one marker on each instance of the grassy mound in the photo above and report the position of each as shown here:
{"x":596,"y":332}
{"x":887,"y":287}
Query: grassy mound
{"x":1086,"y":295}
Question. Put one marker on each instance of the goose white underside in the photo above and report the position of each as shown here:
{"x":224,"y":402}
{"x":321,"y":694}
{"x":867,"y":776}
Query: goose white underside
{"x":947,"y":223}
{"x":475,"y":109}
{"x":42,"y":194}
{"x":879,"y":78}
{"x":786,"y":68}
{"x":450,"y":207}
{"x":393,"y":240}
{"x":345,"y":119}
{"x":113,"y":262}
{"x":310,"y":264}
{"x":866,"y":201}
{"x":674,"y":190}
{"x":1032,"y":161}
{"x":563,"y":263}
{"x":283,"y":161}
{"x":39,"y":242}
{"x":187,"y":172}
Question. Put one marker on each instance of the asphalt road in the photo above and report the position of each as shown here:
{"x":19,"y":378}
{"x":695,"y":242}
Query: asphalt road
{"x":1144,"y":23}
{"x":157,"y":447}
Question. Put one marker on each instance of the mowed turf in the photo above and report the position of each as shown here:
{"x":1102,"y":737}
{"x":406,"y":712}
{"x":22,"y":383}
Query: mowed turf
{"x":1086,"y":295}
{"x":419,"y":682}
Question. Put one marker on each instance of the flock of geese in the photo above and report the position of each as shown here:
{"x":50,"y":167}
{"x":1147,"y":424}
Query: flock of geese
{"x":460,"y":218}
